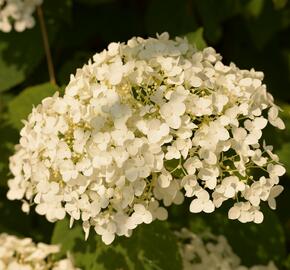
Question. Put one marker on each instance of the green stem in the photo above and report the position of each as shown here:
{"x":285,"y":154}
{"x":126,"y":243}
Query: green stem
{"x":46,"y":45}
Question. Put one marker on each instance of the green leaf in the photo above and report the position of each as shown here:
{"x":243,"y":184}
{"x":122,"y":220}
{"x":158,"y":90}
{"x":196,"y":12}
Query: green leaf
{"x":18,"y":56}
{"x":150,"y":247}
{"x":20,"y":53}
{"x":20,"y":107}
{"x":253,"y":243}
{"x":197,"y":39}
{"x":278,"y":4}
{"x":261,"y":28}
{"x":255,"y":7}
{"x":213,"y":13}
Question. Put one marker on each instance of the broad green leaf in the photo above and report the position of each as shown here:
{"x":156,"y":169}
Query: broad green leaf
{"x":278,"y":4}
{"x":213,"y":13}
{"x":18,"y":57}
{"x":255,"y":7}
{"x":253,"y":243}
{"x":197,"y":39}
{"x":261,"y":28}
{"x":20,"y":53}
{"x":20,"y":107}
{"x":151,"y":247}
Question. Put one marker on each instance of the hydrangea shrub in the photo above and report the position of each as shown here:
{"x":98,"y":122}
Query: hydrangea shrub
{"x":141,"y":126}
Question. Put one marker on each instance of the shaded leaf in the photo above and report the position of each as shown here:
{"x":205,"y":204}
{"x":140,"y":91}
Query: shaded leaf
{"x":262,"y":30}
{"x":253,"y":243}
{"x":20,"y":53}
{"x":255,"y":7}
{"x":150,"y":247}
{"x":278,"y":4}
{"x":213,"y":13}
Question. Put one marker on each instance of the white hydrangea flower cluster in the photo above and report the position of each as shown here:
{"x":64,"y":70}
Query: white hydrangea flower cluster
{"x":24,"y":254}
{"x":17,"y":14}
{"x":211,"y":252}
{"x":141,"y":126}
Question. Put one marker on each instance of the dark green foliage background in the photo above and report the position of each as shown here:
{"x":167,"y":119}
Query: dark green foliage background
{"x":251,"y":33}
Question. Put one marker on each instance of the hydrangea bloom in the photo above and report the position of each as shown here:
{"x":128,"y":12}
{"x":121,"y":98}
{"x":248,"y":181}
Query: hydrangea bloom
{"x":139,"y":127}
{"x":24,"y":254}
{"x":211,"y":252}
{"x":17,"y":14}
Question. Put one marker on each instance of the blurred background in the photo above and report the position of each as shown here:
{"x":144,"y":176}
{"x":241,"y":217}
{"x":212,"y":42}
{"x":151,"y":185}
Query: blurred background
{"x":251,"y":33}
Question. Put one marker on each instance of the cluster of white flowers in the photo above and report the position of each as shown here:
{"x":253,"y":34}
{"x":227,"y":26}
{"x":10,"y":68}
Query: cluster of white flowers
{"x":17,"y":14}
{"x":211,"y":252}
{"x":141,"y":126}
{"x":24,"y":254}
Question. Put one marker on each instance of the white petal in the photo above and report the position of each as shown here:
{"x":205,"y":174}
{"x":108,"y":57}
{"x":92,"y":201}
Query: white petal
{"x":259,"y":217}
{"x":108,"y":238}
{"x":196,"y":206}
{"x":229,"y":192}
{"x":147,"y":217}
{"x":260,"y":122}
{"x":272,"y":203}
{"x":234,"y":212}
{"x":208,"y":207}
{"x":161,"y":213}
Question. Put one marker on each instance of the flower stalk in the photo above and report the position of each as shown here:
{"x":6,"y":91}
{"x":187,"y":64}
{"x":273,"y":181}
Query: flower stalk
{"x":46,"y":45}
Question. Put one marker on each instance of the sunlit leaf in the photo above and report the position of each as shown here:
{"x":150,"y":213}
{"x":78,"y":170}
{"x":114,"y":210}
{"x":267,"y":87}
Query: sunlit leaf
{"x":21,"y":106}
{"x":197,"y":39}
